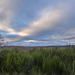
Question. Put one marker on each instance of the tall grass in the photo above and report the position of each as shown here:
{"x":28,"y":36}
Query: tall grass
{"x":46,"y":61}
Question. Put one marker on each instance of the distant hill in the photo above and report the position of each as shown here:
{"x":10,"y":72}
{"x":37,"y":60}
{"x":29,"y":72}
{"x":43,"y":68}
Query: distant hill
{"x":23,"y":48}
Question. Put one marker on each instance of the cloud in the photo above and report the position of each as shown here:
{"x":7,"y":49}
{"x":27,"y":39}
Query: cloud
{"x":47,"y":21}
{"x":6,"y":16}
{"x":25,"y":20}
{"x":53,"y":19}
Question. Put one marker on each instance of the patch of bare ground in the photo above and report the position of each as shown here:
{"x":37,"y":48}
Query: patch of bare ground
{"x":22,"y":48}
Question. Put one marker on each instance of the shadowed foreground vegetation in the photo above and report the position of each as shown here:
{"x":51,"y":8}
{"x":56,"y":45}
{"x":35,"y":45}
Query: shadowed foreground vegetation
{"x":47,"y":61}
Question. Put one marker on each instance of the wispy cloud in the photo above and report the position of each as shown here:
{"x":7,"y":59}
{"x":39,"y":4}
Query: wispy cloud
{"x":30,"y":20}
{"x":47,"y":21}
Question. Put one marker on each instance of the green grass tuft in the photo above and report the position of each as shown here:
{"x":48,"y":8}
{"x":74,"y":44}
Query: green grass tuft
{"x":46,"y":61}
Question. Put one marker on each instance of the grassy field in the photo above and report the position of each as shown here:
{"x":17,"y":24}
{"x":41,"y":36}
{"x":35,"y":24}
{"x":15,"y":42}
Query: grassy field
{"x":46,"y":61}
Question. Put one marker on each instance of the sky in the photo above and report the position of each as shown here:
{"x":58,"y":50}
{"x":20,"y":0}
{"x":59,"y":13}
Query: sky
{"x":37,"y":22}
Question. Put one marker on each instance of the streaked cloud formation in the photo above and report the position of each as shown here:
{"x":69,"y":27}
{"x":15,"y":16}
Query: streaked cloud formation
{"x":42,"y":22}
